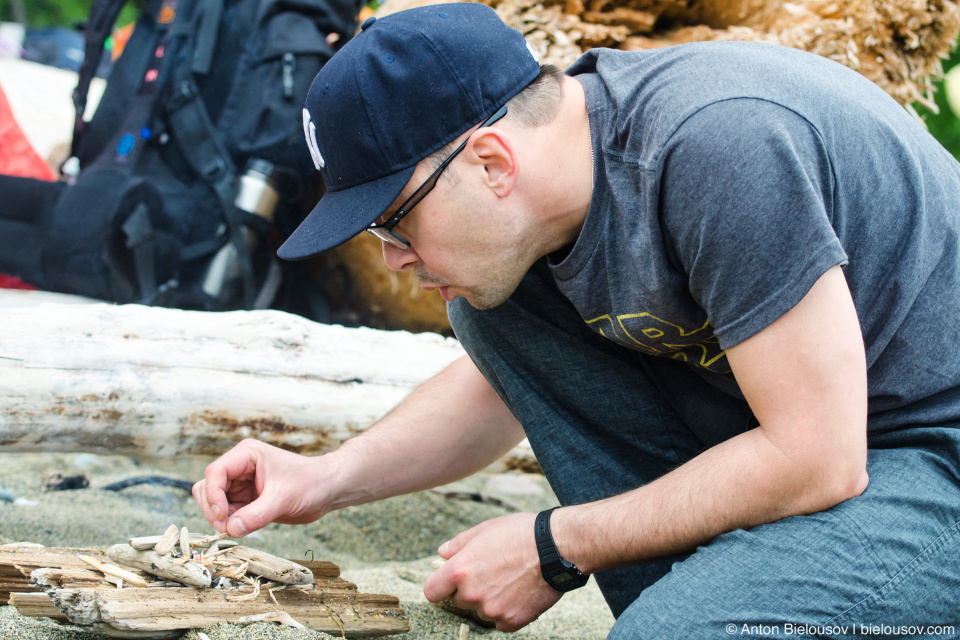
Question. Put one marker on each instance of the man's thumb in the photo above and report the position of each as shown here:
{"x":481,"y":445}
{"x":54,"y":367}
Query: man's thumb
{"x":253,"y":516}
{"x":451,"y":547}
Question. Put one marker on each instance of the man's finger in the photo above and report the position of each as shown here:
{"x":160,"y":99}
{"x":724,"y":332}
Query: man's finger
{"x":200,"y":496}
{"x":239,"y":461}
{"x":451,"y":547}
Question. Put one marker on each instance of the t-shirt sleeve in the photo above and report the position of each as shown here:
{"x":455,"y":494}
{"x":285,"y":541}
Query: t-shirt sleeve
{"x":746,"y":209}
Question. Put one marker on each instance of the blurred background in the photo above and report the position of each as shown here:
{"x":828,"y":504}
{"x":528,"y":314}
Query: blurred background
{"x":55,"y":20}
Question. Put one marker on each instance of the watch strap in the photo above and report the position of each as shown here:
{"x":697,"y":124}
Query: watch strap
{"x":546,"y":547}
{"x":557,"y":572}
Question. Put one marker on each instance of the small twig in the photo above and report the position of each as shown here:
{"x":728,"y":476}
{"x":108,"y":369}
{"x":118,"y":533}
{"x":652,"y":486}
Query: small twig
{"x":211,"y":539}
{"x":219,"y":553}
{"x":476,"y":497}
{"x":115,"y":571}
{"x":335,"y":619}
{"x":282,"y":617}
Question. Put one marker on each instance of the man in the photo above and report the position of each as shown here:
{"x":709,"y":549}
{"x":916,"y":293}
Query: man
{"x":715,"y":285}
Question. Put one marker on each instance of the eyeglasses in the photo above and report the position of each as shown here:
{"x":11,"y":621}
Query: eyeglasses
{"x":385,"y":231}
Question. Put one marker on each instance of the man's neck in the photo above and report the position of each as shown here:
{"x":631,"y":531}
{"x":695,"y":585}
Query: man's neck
{"x":566,"y":169}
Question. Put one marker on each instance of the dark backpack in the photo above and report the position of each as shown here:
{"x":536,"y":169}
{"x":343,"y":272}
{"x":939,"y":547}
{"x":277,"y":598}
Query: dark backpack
{"x":201,"y":113}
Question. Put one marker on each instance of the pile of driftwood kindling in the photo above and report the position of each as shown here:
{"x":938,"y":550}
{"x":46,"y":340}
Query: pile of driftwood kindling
{"x":146,"y":589}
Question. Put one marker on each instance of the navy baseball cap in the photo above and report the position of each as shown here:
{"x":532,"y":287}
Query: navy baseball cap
{"x":405,"y":86}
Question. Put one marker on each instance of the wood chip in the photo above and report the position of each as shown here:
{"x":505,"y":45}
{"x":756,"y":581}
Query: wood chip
{"x":185,"y":543}
{"x":167,"y":541}
{"x":464,"y":631}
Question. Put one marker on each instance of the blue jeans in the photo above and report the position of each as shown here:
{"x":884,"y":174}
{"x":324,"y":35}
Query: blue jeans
{"x":603,"y":420}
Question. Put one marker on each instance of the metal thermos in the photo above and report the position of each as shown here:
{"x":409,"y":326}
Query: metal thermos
{"x":256,"y":194}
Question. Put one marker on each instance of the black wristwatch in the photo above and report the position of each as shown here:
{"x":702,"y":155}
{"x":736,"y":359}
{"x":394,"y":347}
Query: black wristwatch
{"x":559,"y":573}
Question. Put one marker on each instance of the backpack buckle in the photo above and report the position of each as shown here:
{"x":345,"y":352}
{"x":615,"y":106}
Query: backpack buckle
{"x":215,"y":169}
{"x":183,"y":94}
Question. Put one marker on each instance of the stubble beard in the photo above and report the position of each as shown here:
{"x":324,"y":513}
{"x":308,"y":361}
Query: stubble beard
{"x":491,"y":297}
{"x":486,"y":298}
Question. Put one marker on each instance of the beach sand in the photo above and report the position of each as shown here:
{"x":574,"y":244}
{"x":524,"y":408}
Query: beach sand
{"x":384,"y":547}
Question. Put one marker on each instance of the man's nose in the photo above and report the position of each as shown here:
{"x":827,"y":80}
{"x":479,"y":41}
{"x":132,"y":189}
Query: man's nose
{"x":397,"y":259}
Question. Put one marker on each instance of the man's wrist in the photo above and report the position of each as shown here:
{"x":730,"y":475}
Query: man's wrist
{"x":568,"y":535}
{"x":332,"y":474}
{"x":557,"y":571}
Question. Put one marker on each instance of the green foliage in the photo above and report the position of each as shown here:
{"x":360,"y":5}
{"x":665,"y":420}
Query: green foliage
{"x":945,"y":126}
{"x":58,"y":13}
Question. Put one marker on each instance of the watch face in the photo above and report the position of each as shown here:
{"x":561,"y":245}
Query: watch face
{"x":561,"y":579}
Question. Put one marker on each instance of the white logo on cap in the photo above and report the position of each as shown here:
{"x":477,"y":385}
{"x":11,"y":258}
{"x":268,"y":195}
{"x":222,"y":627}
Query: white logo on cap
{"x":532,"y":52}
{"x":310,"y":131}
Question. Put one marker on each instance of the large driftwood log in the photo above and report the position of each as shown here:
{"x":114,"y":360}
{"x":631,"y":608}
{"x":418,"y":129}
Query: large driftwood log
{"x":155,"y":612}
{"x":161,"y":382}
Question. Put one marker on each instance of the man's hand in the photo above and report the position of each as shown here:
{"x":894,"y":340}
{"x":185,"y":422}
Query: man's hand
{"x":494,"y":568}
{"x":255,"y":484}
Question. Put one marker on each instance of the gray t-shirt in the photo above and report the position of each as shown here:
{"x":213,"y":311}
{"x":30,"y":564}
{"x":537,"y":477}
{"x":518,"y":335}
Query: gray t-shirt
{"x":728,"y":177}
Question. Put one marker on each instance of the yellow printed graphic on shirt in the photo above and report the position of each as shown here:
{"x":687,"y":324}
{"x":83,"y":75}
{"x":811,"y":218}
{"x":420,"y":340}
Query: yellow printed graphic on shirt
{"x":657,"y":337}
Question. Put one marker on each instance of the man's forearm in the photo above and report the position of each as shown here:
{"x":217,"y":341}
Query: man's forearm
{"x":740,"y":483}
{"x":805,"y":379}
{"x":451,"y":426}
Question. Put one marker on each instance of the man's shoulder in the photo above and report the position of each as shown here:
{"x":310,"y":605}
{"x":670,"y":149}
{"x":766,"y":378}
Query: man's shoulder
{"x":709,"y":64}
{"x":643,"y":97}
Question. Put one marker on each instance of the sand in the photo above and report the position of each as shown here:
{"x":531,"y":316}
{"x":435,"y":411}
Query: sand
{"x":384,"y":547}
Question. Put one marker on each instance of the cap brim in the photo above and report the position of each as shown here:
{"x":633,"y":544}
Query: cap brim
{"x":340,"y":215}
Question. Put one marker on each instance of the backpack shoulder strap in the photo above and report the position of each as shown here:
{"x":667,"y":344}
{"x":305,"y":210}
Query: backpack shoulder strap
{"x":103,"y":14}
{"x":203,"y":149}
{"x":207,"y":36}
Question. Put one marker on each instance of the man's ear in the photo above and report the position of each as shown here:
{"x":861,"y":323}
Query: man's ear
{"x":493,"y":150}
